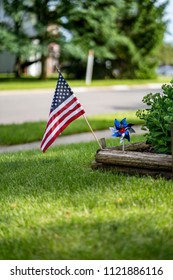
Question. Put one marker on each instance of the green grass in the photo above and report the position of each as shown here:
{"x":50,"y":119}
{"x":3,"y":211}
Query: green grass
{"x":11,"y":83}
{"x":54,"y":206}
{"x":13,"y":134}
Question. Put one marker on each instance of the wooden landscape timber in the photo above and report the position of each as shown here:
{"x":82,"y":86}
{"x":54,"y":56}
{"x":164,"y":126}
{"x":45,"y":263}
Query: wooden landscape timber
{"x":137,"y":159}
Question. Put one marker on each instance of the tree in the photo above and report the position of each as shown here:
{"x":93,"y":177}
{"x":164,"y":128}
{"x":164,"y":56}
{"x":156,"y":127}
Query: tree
{"x":57,"y":21}
{"x":124,"y":35}
{"x":142,"y":23}
{"x":50,"y":18}
{"x":13,"y":35}
{"x":89,"y":25}
{"x":45,"y":24}
{"x":27,"y":22}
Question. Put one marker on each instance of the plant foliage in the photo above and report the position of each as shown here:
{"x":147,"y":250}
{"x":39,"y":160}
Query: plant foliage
{"x":158,"y":118}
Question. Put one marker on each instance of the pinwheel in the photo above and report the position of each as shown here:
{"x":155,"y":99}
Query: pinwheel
{"x":122,"y":129}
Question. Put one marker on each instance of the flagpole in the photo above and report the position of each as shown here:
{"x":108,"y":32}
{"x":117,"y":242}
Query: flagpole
{"x":58,"y":70}
{"x":92,"y":131}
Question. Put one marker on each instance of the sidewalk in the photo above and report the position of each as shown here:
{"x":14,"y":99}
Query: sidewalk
{"x":76,"y":138}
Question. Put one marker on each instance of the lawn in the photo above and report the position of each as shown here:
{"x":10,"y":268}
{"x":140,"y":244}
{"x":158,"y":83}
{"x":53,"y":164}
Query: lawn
{"x":54,"y":206}
{"x":13,"y":134}
{"x":9,"y":82}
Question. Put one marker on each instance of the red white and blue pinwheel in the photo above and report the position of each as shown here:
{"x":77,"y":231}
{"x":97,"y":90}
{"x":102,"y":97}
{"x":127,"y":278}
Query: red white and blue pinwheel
{"x":122,"y":129}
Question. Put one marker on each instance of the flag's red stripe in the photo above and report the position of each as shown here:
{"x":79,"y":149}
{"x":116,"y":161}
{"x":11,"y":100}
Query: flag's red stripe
{"x":58,"y":122}
{"x":62,"y":128}
{"x":65,"y":106}
{"x":62,"y":109}
{"x":72,"y":119}
{"x":59,"y":112}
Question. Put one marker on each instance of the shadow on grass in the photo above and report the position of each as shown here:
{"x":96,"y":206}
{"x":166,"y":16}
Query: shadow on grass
{"x":87,"y":240}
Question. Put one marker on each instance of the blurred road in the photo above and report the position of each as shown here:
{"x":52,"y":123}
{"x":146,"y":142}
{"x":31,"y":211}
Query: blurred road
{"x":18,"y":106}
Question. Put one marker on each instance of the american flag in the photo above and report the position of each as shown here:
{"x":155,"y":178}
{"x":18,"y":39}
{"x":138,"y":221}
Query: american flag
{"x":65,"y":108}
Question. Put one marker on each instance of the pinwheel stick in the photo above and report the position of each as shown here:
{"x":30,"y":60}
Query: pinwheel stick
{"x":123,"y":146}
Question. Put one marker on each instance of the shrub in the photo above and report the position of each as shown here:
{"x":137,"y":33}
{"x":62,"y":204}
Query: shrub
{"x":158,"y":117}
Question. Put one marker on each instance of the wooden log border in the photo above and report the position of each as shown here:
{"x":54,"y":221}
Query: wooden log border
{"x":133,"y":162}
{"x":135,"y":159}
{"x":132,"y":171}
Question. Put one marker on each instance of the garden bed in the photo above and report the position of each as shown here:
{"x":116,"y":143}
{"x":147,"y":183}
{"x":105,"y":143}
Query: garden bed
{"x":137,"y":159}
{"x":140,"y":158}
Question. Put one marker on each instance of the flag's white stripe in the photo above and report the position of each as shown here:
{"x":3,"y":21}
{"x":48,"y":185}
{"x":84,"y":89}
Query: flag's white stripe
{"x":60,"y":125}
{"x":58,"y":116}
{"x":62,"y":114}
{"x":62,"y":105}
